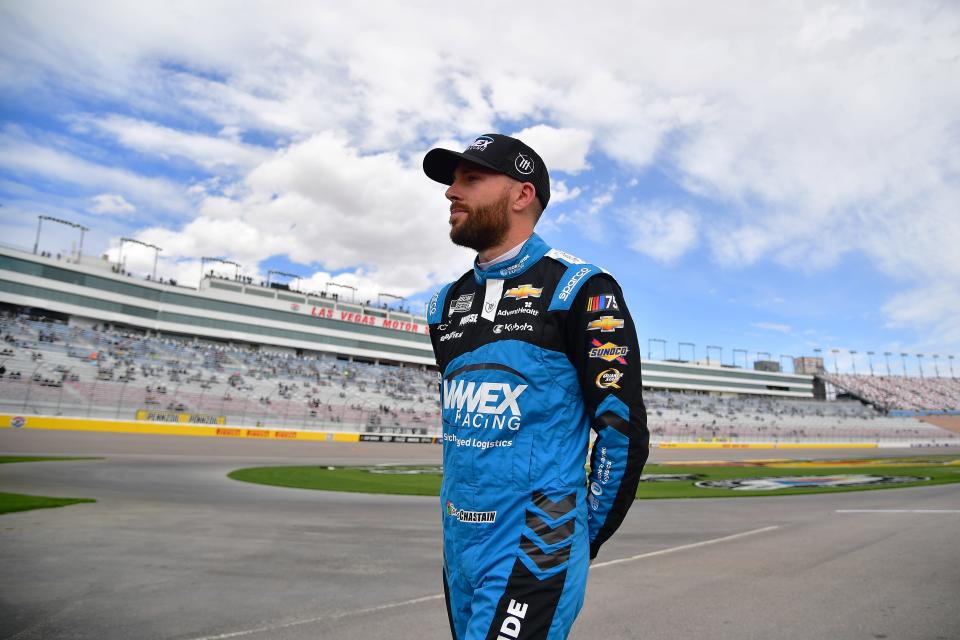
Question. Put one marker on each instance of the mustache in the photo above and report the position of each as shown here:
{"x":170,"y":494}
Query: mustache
{"x":460,"y":207}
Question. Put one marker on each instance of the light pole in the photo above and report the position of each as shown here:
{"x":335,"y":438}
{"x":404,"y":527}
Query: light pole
{"x":903,"y":363}
{"x":790,"y":360}
{"x":693,"y":350}
{"x":920,"y":363}
{"x":236,"y":267}
{"x":719,"y":350}
{"x":764,"y":353}
{"x":836,"y":369}
{"x":388,"y":295}
{"x":82,"y":229}
{"x":870,"y":361}
{"x":353,"y":290}
{"x":663,"y":343}
{"x":296,"y":277}
{"x":156,"y":253}
{"x":886,"y":359}
{"x":936,"y":369}
{"x":818,"y":353}
{"x":853,"y":361}
{"x":951,"y":365}
{"x":744,"y":352}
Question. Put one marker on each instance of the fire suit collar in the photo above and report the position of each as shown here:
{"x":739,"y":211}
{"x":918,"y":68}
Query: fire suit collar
{"x":531,"y":252}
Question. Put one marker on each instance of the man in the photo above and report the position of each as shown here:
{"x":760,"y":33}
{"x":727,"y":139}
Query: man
{"x":534,"y":347}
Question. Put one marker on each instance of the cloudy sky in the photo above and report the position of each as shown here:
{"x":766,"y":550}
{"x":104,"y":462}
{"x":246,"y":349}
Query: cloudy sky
{"x":769,"y":176}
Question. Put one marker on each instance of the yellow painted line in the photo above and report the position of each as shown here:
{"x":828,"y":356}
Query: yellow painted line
{"x":154,"y":428}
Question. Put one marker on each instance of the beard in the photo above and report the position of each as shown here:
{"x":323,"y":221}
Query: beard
{"x":483,"y":227}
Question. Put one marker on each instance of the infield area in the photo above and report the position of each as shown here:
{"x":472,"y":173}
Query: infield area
{"x":173,"y":548}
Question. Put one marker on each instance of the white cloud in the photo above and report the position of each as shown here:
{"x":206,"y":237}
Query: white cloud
{"x":111,"y":203}
{"x":209,"y":152}
{"x":320,"y":201}
{"x":814,"y":129}
{"x":664,"y":235}
{"x":773,"y":326}
{"x":561,"y":149}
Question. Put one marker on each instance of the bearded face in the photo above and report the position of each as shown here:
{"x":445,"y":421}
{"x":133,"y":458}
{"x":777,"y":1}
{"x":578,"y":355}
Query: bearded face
{"x":483,"y":226}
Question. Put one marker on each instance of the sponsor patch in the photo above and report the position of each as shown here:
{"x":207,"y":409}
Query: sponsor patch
{"x":470,"y":516}
{"x":523,"y":291}
{"x":802,"y":482}
{"x":608,"y":379}
{"x":602,"y":303}
{"x":605,"y":324}
{"x":469,"y":319}
{"x":524,"y":164}
{"x":18,"y":422}
{"x":461,"y":304}
{"x":481,"y":144}
{"x":483,"y":405}
{"x":566,"y":257}
{"x":608,"y":351}
{"x":512,"y":326}
{"x":572,"y":282}
{"x":453,"y":335}
{"x":513,"y":312}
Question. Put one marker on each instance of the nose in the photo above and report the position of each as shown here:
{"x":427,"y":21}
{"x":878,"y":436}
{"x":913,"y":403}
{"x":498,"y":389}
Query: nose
{"x":453,"y":193}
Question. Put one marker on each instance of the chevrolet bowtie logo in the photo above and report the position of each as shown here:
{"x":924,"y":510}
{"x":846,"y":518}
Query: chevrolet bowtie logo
{"x":523,"y":291}
{"x":605,"y":324}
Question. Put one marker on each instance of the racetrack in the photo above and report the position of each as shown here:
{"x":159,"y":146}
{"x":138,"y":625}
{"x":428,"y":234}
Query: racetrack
{"x":174,"y":549}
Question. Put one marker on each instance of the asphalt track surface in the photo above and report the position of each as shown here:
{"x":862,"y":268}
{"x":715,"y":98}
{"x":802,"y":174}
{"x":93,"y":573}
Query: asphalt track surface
{"x":175,"y":549}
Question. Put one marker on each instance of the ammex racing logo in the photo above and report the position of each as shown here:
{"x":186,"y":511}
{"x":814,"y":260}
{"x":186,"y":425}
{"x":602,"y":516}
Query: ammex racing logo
{"x":470,"y":516}
{"x":484,"y":405}
{"x":805,"y":482}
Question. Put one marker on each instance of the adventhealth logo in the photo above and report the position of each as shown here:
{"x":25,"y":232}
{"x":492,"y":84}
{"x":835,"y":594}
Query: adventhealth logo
{"x":485,"y":405}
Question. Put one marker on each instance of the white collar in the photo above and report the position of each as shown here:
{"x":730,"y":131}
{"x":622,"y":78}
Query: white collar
{"x":512,"y":253}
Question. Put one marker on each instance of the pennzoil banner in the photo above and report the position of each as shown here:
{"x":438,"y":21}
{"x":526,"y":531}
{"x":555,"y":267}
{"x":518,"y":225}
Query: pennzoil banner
{"x":176,"y":416}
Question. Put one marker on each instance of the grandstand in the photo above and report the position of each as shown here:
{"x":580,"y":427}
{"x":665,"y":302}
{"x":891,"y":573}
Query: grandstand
{"x":81,"y":338}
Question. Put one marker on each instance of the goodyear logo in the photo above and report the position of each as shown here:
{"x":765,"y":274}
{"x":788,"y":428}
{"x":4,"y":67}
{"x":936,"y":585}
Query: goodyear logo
{"x":523,"y":291}
{"x":609,"y":352}
{"x":606,"y":324}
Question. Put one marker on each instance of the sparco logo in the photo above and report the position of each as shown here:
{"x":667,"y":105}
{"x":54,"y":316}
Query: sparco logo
{"x":577,"y":277}
{"x":470,"y":516}
{"x":453,"y":335}
{"x":514,"y":326}
{"x":484,"y":405}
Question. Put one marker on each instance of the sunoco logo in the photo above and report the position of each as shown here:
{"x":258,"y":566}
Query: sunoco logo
{"x":799,"y":482}
{"x":470,"y":516}
{"x":484,"y":405}
{"x":577,"y":277}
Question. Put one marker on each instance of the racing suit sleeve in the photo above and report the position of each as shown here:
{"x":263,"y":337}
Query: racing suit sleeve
{"x":602,"y":346}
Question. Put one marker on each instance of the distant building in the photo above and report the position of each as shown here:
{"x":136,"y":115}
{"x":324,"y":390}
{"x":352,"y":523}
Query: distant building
{"x":808,"y":366}
{"x":767,"y":365}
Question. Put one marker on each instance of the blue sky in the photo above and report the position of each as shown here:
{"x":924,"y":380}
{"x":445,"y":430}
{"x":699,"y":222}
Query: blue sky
{"x":773,"y":177}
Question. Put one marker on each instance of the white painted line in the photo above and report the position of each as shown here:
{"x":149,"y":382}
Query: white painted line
{"x":329,"y":616}
{"x":693,"y":545}
{"x":898,"y":511}
{"x":393,"y":605}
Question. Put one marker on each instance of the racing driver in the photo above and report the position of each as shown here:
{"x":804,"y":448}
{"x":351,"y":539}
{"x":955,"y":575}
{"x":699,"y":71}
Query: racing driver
{"x":535,"y":347}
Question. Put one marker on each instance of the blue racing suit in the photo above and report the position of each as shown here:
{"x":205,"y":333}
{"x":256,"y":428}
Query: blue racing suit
{"x":533,"y":352}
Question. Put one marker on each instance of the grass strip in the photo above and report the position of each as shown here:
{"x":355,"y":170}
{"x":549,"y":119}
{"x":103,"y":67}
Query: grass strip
{"x":8,"y":459}
{"x":362,"y":480}
{"x":12,"y":502}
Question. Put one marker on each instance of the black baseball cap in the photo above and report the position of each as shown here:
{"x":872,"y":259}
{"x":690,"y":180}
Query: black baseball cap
{"x":500,"y":153}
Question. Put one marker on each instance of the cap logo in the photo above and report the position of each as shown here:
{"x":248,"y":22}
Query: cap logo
{"x":523,"y":164}
{"x":480,"y":144}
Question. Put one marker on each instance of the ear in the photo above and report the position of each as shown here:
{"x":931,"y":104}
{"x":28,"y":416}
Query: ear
{"x":523,"y":194}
